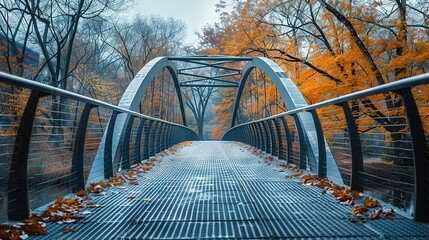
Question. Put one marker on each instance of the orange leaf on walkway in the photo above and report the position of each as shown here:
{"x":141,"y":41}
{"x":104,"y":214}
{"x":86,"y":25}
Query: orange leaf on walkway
{"x":370,"y":203}
{"x":358,"y":210}
{"x":375,"y":214}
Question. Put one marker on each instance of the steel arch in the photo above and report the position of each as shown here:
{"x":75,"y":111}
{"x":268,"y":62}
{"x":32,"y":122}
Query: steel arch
{"x":293,"y":99}
{"x":131,"y":100}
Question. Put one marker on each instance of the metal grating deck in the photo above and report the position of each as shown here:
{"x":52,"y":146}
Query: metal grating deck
{"x":216,"y":190}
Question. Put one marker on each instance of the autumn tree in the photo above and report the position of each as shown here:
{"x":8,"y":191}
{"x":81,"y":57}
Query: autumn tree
{"x":330,"y":48}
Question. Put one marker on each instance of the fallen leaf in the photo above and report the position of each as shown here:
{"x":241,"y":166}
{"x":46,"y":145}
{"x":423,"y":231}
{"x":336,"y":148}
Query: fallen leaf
{"x":389,"y":215}
{"x":80,"y":193}
{"x":34,"y":229}
{"x":375,"y":214}
{"x":370,"y":203}
{"x":358,"y":210}
{"x":68,"y":230}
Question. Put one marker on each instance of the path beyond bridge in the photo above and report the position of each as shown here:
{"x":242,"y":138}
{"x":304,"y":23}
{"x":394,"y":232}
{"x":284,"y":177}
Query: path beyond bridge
{"x":219,"y":190}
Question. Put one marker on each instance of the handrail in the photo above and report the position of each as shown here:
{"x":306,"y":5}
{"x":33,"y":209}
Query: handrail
{"x":388,"y":87}
{"x":25,"y":83}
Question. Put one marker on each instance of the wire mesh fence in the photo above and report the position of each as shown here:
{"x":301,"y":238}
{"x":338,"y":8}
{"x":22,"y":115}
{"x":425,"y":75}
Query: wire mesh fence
{"x":378,"y":139}
{"x":51,"y":140}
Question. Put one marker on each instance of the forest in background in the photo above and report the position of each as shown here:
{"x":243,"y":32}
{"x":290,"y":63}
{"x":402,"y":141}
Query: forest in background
{"x":328,"y":48}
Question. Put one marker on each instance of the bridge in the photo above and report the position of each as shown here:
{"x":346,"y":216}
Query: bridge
{"x":75,"y":167}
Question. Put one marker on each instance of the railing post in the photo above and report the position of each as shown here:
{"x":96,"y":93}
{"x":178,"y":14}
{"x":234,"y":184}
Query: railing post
{"x":157,"y":146}
{"x":108,"y":160}
{"x":267,"y":137}
{"x":421,"y":158}
{"x":263,"y":136}
{"x":137,"y":143}
{"x":272,"y":137}
{"x":248,"y":134}
{"x":164,"y":137}
{"x":279,"y":138}
{"x":356,"y":149}
{"x":18,"y":200}
{"x":302,"y":146}
{"x":126,"y":144}
{"x":146,"y":140}
{"x":77,"y":175}
{"x":173,"y":136}
{"x":152,"y":137}
{"x":170,"y":136}
{"x":288,"y":141}
{"x":322,"y":168}
{"x":252,"y":135}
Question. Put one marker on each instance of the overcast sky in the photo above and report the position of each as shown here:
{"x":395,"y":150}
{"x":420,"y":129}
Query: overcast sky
{"x":195,"y":13}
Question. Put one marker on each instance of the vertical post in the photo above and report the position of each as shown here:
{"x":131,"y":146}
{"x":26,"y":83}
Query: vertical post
{"x":77,"y":174}
{"x":164,"y":137}
{"x":126,"y":144}
{"x":248,"y":134}
{"x":254,"y":137}
{"x":267,"y":137}
{"x":272,"y":137}
{"x":263,"y":136}
{"x":146,"y":140}
{"x":137,"y":143}
{"x":108,"y":160}
{"x":169,"y":136}
{"x":279,"y":138}
{"x":302,"y":146}
{"x":321,"y":168}
{"x":152,"y":135}
{"x":173,"y":136}
{"x":356,"y":149}
{"x":18,"y":203}
{"x":158,"y":138}
{"x":421,"y":158}
{"x":288,"y":141}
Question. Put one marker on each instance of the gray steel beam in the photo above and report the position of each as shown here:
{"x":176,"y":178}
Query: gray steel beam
{"x":421,"y":157}
{"x":208,"y":85}
{"x":18,"y":203}
{"x":77,"y":174}
{"x":210,"y":58}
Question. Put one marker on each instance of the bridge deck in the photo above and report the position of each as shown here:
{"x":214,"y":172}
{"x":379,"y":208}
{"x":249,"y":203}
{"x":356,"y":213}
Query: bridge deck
{"x":213,"y":190}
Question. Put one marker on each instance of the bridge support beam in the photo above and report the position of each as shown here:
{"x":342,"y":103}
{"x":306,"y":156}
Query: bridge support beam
{"x":18,"y":200}
{"x":421,"y":156}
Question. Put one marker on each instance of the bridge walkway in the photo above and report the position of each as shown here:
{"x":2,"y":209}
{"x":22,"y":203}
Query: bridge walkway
{"x":220,"y":190}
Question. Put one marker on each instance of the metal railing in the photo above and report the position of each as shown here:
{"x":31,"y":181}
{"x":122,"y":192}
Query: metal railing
{"x":49,"y":138}
{"x":378,"y":138}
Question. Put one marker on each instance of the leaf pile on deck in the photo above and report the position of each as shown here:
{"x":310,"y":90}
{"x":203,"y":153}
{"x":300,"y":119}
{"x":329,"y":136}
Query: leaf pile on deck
{"x":70,"y":210}
{"x":344,"y":195}
{"x":369,"y":203}
{"x":22,"y":230}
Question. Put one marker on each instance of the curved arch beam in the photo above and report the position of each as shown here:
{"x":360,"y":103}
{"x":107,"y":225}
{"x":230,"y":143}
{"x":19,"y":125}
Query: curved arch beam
{"x":137,"y":88}
{"x":131,"y":100}
{"x":293,"y":99}
{"x":287,"y":89}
